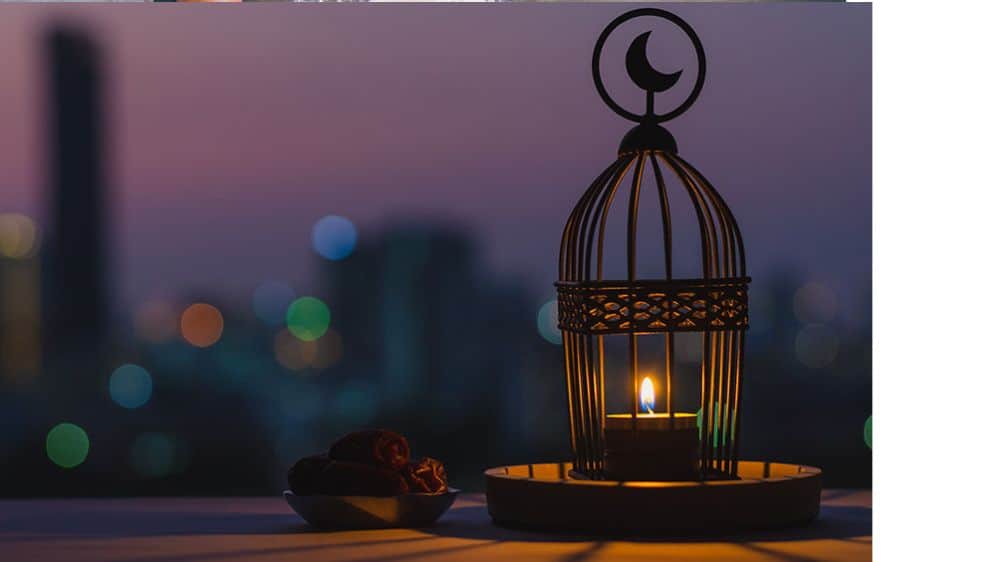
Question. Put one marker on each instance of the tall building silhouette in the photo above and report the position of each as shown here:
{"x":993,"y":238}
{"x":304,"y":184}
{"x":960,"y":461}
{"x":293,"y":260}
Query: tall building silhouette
{"x":449,"y":346}
{"x":75,"y":293}
{"x":402,"y":301}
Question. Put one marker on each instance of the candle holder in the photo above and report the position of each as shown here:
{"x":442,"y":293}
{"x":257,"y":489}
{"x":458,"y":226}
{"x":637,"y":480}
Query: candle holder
{"x":638,"y":460}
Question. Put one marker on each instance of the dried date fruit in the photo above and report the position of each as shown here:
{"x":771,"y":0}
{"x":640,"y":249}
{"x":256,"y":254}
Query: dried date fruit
{"x":376,"y":447}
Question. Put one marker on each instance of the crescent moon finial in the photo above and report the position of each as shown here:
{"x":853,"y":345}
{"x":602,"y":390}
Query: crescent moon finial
{"x":642,"y":72}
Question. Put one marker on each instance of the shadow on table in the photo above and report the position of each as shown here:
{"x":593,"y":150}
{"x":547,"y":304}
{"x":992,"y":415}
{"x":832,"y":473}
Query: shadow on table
{"x":850,"y":523}
{"x":468,"y":521}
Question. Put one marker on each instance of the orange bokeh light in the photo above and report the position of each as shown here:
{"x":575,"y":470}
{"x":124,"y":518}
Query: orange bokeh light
{"x":201,"y":324}
{"x":156,"y":321}
{"x":296,"y":354}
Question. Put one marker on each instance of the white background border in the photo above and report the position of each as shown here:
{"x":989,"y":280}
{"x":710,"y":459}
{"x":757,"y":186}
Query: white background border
{"x":936,"y":248}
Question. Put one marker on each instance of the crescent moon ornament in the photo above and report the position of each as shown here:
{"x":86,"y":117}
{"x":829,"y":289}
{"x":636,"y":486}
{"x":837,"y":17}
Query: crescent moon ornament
{"x":642,"y":72}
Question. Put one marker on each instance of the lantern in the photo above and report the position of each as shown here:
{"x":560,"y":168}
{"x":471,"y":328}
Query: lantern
{"x":650,"y":439}
{"x":640,"y":464}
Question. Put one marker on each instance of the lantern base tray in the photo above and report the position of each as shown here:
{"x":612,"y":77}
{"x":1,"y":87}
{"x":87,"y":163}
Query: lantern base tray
{"x":545,"y":497}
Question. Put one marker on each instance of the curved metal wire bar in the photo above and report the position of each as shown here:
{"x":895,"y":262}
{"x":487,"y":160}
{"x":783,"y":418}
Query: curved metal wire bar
{"x":573,"y":413}
{"x":732,"y":422}
{"x":576,"y":416}
{"x":709,"y":343}
{"x":592,"y":428}
{"x":733,"y":387}
{"x":593,"y":369}
{"x":590,"y":223}
{"x":720,"y":386}
{"x":599,"y":225}
{"x":706,"y":223}
{"x":582,"y":392}
{"x":633,"y":211}
{"x":720,"y":389}
{"x":719,"y":363}
{"x":737,"y":409}
{"x":721,"y":203}
{"x":584,"y":238}
{"x":595,"y":218}
{"x":596,"y":366}
{"x":565,"y":256}
{"x":586,"y":414}
{"x":668,"y":260}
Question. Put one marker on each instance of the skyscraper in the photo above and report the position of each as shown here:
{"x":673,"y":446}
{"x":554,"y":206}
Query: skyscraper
{"x":75,"y":294}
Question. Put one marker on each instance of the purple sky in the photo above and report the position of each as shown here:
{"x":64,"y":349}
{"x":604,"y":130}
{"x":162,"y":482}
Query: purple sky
{"x":235,"y":129}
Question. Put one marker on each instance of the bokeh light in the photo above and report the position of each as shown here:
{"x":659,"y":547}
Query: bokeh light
{"x":548,"y":323}
{"x":155,"y":455}
{"x":814,"y":303}
{"x":354,"y":403}
{"x":271,"y":300}
{"x":334,"y":237}
{"x":18,"y":236}
{"x":330,"y":349}
{"x":130,"y":386}
{"x":296,"y":354}
{"x":155,"y":321}
{"x":816,"y":346}
{"x":201,"y":324}
{"x":288,"y":351}
{"x":868,"y":432}
{"x":67,"y":445}
{"x":764,"y":314}
{"x":302,"y":402}
{"x":308,"y":318}
{"x":720,"y":413}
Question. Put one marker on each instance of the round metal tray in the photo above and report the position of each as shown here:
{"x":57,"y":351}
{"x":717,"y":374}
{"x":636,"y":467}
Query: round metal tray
{"x":544,"y":497}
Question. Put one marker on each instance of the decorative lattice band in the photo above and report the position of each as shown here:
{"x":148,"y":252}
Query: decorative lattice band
{"x":682,"y":305}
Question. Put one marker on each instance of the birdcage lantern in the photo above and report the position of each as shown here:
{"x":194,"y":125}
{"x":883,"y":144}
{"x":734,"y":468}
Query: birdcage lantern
{"x":641,"y":413}
{"x":650,"y":439}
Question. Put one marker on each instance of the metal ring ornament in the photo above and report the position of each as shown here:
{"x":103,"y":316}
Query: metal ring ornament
{"x":676,"y":20}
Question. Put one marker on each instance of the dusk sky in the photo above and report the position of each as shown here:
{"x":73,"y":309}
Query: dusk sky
{"x":233,"y":131}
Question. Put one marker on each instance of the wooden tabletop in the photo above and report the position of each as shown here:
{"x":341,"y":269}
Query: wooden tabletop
{"x":259,"y":529}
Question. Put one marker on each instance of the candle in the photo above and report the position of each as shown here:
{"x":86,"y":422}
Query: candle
{"x":651,"y":446}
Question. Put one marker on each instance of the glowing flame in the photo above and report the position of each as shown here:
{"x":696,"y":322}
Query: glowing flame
{"x":646,"y":396}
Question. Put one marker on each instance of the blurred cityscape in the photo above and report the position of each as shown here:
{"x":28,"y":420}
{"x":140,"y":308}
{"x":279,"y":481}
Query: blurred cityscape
{"x":199,"y":392}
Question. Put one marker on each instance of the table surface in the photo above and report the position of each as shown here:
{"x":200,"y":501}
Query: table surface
{"x":259,"y":529}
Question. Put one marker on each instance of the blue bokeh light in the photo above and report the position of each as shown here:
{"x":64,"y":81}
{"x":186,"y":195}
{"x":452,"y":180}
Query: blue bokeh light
{"x":271,"y":300}
{"x":334,"y":237}
{"x":130,"y":386}
{"x":354,"y":403}
{"x":155,"y":455}
{"x":548,"y":323}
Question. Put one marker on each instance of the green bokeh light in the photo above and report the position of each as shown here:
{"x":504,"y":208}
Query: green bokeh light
{"x":721,"y":418}
{"x":67,"y":445}
{"x":308,"y":318}
{"x":868,"y":432}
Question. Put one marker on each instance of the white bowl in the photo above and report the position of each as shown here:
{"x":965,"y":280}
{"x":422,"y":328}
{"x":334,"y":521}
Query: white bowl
{"x":371,"y":512}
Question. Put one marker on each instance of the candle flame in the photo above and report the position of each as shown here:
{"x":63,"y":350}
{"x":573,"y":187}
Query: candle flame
{"x":646,"y":396}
